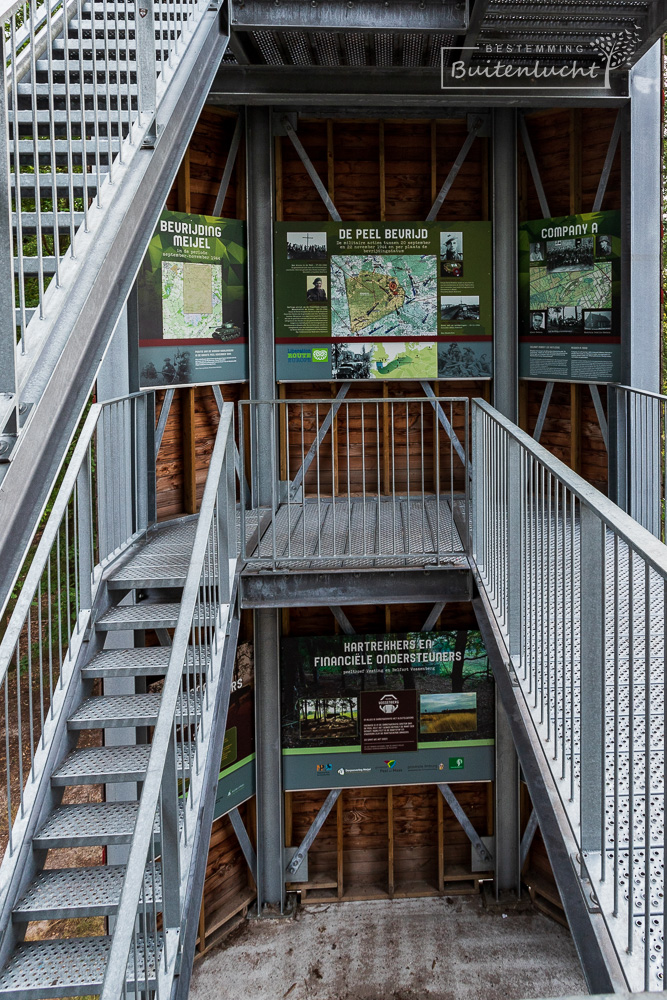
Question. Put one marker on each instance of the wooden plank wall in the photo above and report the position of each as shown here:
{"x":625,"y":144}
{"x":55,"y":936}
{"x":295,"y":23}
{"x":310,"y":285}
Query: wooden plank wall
{"x":193,"y":419}
{"x":570,"y":147}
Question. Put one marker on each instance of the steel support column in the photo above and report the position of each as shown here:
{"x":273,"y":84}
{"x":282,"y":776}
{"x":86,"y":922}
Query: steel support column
{"x":507,"y":825}
{"x":506,"y":399}
{"x":505,"y":264}
{"x":270,"y":819}
{"x":640,"y":278}
{"x":260,"y":213}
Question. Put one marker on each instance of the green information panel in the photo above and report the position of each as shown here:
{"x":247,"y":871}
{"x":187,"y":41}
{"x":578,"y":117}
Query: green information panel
{"x":386,"y":709}
{"x":570,"y":284}
{"x":191,"y":286}
{"x":380,"y":300}
{"x":236,"y":781}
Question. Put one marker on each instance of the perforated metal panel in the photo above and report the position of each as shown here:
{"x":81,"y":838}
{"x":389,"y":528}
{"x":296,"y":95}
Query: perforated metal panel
{"x":80,"y":892}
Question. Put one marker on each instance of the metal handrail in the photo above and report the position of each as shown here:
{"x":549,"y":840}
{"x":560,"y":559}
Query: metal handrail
{"x":622,"y":524}
{"x":222,"y":460}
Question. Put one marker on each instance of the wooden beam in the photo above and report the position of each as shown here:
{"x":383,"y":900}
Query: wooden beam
{"x":441,"y":843}
{"x":278,"y":157}
{"x":575,"y":427}
{"x":390,"y":841}
{"x":283,"y":431}
{"x":485,"y":179}
{"x":289,"y":819}
{"x":383,"y":190}
{"x":183,"y":182}
{"x":334,"y":446}
{"x":331,"y":187}
{"x":523,"y":405}
{"x":575,"y":161}
{"x":339,"y":846}
{"x":240,"y":182}
{"x":386,"y":467}
{"x":189,"y":452}
{"x":202,"y":926}
{"x":434,"y":161}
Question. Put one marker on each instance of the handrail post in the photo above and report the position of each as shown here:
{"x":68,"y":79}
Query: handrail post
{"x":617,"y":403}
{"x":144,"y":21}
{"x":514,"y":502}
{"x":224,"y":533}
{"x":85,"y":533}
{"x":477,"y":478}
{"x":592,"y":651}
{"x":8,"y":328}
{"x":169,"y":838}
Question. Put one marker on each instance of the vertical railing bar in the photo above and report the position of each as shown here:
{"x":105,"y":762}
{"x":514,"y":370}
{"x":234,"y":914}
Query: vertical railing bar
{"x":349,"y":484}
{"x":18,"y":197}
{"x":35,"y":144}
{"x":647,"y":772}
{"x":631,"y":754}
{"x":317,"y":468}
{"x":82,"y":101}
{"x":52,"y":127}
{"x":408,"y":541}
{"x":363,"y":477}
{"x":616,"y":726}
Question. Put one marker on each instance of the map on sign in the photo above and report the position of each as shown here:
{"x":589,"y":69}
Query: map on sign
{"x":390,"y":359}
{"x":191,"y":300}
{"x":588,"y":289}
{"x":383,"y":295}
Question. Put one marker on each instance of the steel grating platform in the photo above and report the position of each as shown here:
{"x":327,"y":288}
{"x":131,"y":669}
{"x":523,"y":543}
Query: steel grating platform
{"x":148,"y":615}
{"x":148,"y":661}
{"x":72,"y":967}
{"x":63,"y":893}
{"x":118,"y":711}
{"x":97,"y":765}
{"x":356,"y":533}
{"x":624,"y":875}
{"x":89,"y":825}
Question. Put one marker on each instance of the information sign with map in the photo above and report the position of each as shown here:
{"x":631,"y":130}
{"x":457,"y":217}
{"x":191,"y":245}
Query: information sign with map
{"x":192,"y":302}
{"x":379,"y":300}
{"x":570,"y":291}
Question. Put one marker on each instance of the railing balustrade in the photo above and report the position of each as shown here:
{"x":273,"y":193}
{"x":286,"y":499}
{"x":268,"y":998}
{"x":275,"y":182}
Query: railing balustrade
{"x":355,"y":482}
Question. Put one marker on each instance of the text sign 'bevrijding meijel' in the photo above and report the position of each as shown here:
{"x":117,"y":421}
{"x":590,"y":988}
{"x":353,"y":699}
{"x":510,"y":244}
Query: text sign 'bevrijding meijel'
{"x":378,"y":300}
{"x":191,"y":288}
{"x":570,"y":287}
{"x":385,"y":709}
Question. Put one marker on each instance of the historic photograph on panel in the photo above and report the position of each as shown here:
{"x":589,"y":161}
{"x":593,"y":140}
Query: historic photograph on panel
{"x":565,"y":320}
{"x":597,"y":320}
{"x":307,"y":246}
{"x":538,"y":321}
{"x":570,"y":255}
{"x":604,"y":246}
{"x":451,"y":255}
{"x":448,"y":713}
{"x":351,"y":361}
{"x":455,"y":308}
{"x":317,"y":288}
{"x":464,"y":360}
{"x":537,"y":252}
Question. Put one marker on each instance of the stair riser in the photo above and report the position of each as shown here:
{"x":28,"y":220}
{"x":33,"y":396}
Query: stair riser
{"x":130,"y":722}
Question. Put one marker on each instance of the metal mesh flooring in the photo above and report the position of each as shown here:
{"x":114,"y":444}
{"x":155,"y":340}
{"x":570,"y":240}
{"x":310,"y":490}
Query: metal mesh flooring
{"x":109,"y":711}
{"x":93,"y":765}
{"x":71,"y":967}
{"x":59,"y":893}
{"x":358,"y":533}
{"x":624,"y":876}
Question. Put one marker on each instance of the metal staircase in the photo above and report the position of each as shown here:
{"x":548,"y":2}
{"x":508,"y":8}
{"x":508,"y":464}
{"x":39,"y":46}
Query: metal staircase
{"x":98,"y":100}
{"x":172,"y":736}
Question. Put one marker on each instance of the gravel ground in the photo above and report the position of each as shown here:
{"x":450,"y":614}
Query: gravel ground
{"x":450,"y":948}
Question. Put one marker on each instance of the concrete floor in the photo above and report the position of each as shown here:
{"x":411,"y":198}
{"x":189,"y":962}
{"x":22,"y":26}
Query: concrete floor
{"x":410,"y":949}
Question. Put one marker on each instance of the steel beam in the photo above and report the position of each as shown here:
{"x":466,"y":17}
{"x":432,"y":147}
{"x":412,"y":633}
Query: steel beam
{"x":313,"y":831}
{"x":270,"y":820}
{"x":162,"y":419}
{"x":454,"y":171}
{"x":244,"y":841}
{"x":319,"y":438}
{"x":328,"y":86}
{"x":608,"y":163}
{"x":342,"y":619}
{"x":369,"y":15}
{"x":544,"y":406}
{"x":85,"y":314}
{"x":505,"y":264}
{"x":260,"y":214}
{"x":310,"y":169}
{"x":507,"y":808}
{"x":467,"y":827}
{"x":528,"y":835}
{"x":433,"y":616}
{"x":449,"y":430}
{"x":306,"y":590}
{"x":534,"y":169}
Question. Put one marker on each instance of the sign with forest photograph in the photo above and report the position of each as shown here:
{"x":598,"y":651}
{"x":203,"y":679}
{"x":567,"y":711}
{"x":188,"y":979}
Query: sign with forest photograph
{"x":386,"y":709}
{"x":191,"y":293}
{"x":379,"y":300}
{"x":570,"y":288}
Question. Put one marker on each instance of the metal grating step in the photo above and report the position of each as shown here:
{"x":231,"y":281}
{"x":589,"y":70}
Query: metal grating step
{"x":88,"y":825}
{"x":145,"y":615}
{"x":163,"y":561}
{"x":151,"y":661}
{"x":71,"y":967}
{"x":94,"y":765}
{"x":116,"y":711}
{"x":63,"y":893}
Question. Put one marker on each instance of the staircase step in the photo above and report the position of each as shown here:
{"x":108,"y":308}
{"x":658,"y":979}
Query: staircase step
{"x":73,"y":89}
{"x":63,"y":893}
{"x":97,"y":765}
{"x":145,"y":615}
{"x":89,"y":825}
{"x":151,"y":661}
{"x":70,"y":967}
{"x":118,"y":711}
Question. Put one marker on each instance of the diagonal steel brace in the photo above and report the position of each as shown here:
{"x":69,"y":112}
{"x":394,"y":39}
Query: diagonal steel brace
{"x":315,"y":828}
{"x":468,"y":828}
